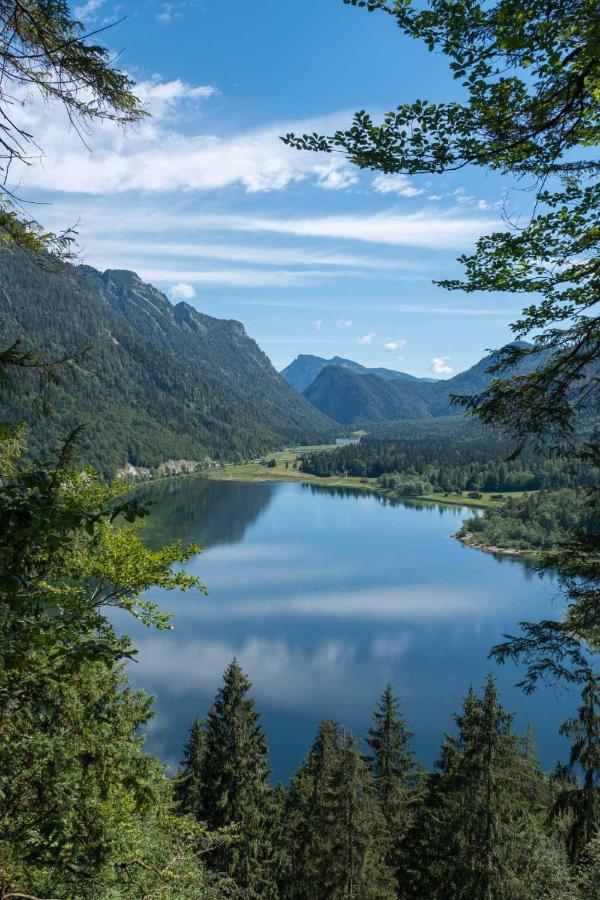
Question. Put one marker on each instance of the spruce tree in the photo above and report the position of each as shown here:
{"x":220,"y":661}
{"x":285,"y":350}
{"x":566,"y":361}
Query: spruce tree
{"x":582,"y":800}
{"x":188,"y":782}
{"x":358,"y":863}
{"x":336,"y":830}
{"x":234,"y":783}
{"x":394,"y":772}
{"x":309,"y":816}
{"x":478,"y":834}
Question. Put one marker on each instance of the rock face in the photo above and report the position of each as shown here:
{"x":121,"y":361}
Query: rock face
{"x":159,"y":381}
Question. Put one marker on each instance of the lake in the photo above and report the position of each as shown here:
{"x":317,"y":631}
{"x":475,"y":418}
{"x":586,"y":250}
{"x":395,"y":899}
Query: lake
{"x":324,"y":596}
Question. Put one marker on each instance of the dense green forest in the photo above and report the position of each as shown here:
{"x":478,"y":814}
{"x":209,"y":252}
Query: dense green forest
{"x":359,"y":818}
{"x":158,"y":381}
{"x":447,"y":463}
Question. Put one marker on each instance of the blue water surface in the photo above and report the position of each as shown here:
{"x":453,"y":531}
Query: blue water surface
{"x":324,"y":596}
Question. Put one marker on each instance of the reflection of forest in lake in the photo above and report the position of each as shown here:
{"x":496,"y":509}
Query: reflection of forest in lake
{"x":201,"y":511}
{"x":324,"y":595}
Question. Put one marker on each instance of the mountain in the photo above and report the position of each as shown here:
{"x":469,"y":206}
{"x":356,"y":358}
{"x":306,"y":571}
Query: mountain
{"x":160,"y":381}
{"x":354,"y":399}
{"x":306,"y":368}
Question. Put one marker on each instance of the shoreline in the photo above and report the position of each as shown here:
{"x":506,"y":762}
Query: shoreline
{"x":258,"y":472}
{"x":467,"y":541}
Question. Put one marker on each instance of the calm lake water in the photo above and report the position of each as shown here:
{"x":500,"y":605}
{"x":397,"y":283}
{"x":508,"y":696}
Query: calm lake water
{"x":324,"y":596}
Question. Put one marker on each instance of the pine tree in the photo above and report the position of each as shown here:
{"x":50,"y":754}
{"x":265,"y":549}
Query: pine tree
{"x":478,"y":834}
{"x":358,"y":863}
{"x":234,"y":785}
{"x":309,"y":816}
{"x":582,"y":800}
{"x":393,"y":768}
{"x":188,"y":782}
{"x":336,"y":831}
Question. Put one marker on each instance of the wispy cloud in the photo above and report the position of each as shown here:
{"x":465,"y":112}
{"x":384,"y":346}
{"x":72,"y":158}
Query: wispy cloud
{"x":344,"y":323}
{"x":421,"y":229}
{"x":394,"y":345}
{"x":236,"y":277}
{"x":367,"y":338}
{"x":159,"y":156}
{"x":263,"y":255}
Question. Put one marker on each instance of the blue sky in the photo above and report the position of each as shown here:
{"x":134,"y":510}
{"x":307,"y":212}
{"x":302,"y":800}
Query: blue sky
{"x":204,"y":201}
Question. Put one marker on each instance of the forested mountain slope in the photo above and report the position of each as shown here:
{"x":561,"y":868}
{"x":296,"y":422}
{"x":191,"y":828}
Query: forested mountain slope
{"x":352,"y":398}
{"x":160,"y":381}
{"x":305,"y":369}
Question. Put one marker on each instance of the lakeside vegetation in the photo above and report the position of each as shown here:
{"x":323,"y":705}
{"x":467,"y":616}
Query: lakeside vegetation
{"x":538,"y":523}
{"x":288,"y":467}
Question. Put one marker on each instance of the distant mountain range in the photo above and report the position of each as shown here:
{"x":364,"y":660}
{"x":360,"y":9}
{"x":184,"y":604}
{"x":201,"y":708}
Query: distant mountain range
{"x":353,"y":395}
{"x":305,"y":368}
{"x":160,"y":382}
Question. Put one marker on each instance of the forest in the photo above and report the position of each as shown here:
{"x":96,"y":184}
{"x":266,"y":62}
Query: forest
{"x":360,"y":818}
{"x":449,"y":463}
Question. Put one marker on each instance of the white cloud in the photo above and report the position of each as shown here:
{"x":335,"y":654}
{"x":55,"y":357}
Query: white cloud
{"x":439,"y":367}
{"x":344,"y":323}
{"x":395,"y":184}
{"x":182,"y":291}
{"x":366,"y":338}
{"x":422,"y":229}
{"x":394,"y":345}
{"x":165,"y":16}
{"x":425,"y":229}
{"x":242,"y":277}
{"x":87,"y":9}
{"x":318,"y":323}
{"x":333,"y":178}
{"x":163,"y":97}
{"x":158,"y":155}
{"x":257,"y":255}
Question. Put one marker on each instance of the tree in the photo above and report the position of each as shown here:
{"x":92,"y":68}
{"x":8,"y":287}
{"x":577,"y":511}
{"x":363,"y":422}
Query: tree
{"x":582,"y":801}
{"x":477,"y":832}
{"x":530,"y":72}
{"x":393,"y":769}
{"x":336,"y":831}
{"x":188,"y":783}
{"x":45,"y":51}
{"x":234,"y":783}
{"x":71,"y":767}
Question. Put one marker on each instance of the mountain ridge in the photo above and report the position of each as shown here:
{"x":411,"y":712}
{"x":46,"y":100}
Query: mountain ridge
{"x":351,"y":398}
{"x":161,"y":382}
{"x":303,"y":370}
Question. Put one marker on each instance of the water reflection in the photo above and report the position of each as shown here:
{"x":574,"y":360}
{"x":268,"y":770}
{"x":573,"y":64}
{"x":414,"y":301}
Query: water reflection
{"x":203,"y":511}
{"x":324,"y":596}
